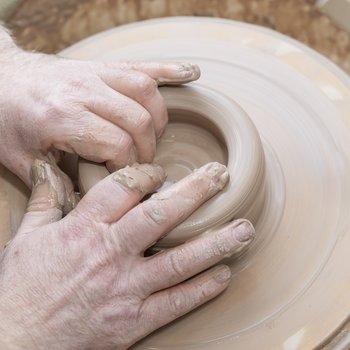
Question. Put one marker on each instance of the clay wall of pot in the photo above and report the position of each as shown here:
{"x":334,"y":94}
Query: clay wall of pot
{"x":51,"y":25}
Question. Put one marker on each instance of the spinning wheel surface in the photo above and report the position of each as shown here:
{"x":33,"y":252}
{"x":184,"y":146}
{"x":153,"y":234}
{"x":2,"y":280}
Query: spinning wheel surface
{"x":291,"y":289}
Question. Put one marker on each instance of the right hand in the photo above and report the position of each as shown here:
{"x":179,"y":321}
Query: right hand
{"x":83,"y":282}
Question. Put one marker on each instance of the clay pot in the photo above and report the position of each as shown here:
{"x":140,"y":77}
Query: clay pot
{"x":205,"y":126}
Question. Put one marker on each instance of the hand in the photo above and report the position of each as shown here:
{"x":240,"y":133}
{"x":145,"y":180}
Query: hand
{"x":104,"y":112}
{"x":84,"y":283}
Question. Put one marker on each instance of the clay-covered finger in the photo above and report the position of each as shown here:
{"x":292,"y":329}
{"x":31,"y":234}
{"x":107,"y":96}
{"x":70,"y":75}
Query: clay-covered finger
{"x":178,"y":264}
{"x":95,"y":139}
{"x":47,"y":200}
{"x":146,"y":223}
{"x":138,"y":87}
{"x":164,"y":73}
{"x":115,"y":195}
{"x":130,"y":116}
{"x":165,"y":306}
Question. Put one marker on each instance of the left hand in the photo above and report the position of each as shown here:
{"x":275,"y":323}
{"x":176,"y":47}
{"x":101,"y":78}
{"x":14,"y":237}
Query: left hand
{"x":104,"y":112}
{"x":83,"y":282}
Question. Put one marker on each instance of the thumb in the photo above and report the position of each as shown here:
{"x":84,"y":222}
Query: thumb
{"x":46,"y":203}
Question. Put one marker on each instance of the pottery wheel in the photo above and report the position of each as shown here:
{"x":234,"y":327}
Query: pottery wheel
{"x":291,"y":289}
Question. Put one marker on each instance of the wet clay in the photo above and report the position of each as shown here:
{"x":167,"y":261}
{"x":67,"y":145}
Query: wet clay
{"x":205,"y":127}
{"x":291,"y":288}
{"x":140,"y":177}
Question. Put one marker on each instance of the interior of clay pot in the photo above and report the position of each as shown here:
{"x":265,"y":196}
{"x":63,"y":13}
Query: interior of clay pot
{"x":205,"y":126}
{"x":189,"y":141}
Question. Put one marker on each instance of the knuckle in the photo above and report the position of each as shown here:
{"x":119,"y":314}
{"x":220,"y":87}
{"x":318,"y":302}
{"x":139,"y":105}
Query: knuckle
{"x":124,"y":143}
{"x":58,"y":108}
{"x":177,"y":303}
{"x":146,"y":85}
{"x":177,"y":263}
{"x":144,"y":121}
{"x":154,"y":212}
{"x":220,"y":246}
{"x":54,"y":111}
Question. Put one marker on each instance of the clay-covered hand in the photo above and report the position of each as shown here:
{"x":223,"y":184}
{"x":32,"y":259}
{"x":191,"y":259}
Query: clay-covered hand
{"x":83,"y":282}
{"x":105,"y":112}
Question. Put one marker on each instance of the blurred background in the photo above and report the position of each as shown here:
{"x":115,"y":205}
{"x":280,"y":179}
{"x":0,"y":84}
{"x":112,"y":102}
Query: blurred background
{"x":52,"y":25}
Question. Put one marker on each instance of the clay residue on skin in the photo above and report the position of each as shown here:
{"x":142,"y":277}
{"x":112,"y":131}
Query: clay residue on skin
{"x":46,"y":169}
{"x":38,"y":172}
{"x":219,"y":176}
{"x":187,"y":72}
{"x":215,"y":172}
{"x":158,"y":215}
{"x":141,"y":177}
{"x":42,"y":173}
{"x":212,"y":176}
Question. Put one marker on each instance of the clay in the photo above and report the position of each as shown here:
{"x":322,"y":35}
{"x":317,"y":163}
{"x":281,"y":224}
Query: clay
{"x":291,"y":288}
{"x":205,"y":127}
{"x":133,"y":176}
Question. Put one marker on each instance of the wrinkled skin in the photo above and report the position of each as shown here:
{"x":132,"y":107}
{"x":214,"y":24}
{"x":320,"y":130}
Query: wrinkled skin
{"x":83,"y":282}
{"x":105,"y":112}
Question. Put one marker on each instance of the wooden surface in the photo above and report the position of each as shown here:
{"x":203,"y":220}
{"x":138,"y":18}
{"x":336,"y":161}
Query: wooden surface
{"x":51,"y":25}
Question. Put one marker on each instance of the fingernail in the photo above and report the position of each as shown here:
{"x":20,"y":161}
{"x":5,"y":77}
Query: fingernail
{"x":189,"y":70}
{"x":219,"y":175}
{"x":222,"y":274}
{"x":244,"y":232}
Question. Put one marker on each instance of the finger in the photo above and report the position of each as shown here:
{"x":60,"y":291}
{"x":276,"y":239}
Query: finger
{"x":141,"y":88}
{"x":69,"y":194}
{"x":47,"y":200}
{"x":25,"y":172}
{"x":112,"y":197}
{"x":167,"y":305}
{"x":130,"y":116}
{"x":146,"y":223}
{"x":178,"y":264}
{"x":95,"y":139}
{"x":165,"y":73}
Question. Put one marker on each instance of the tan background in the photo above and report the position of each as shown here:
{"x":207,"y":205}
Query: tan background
{"x":51,"y":25}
